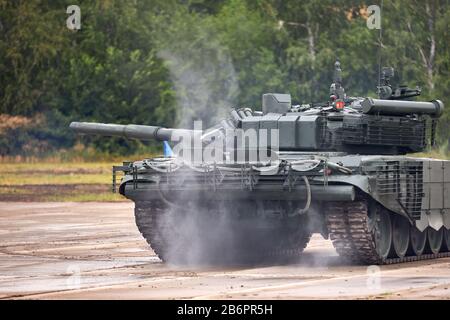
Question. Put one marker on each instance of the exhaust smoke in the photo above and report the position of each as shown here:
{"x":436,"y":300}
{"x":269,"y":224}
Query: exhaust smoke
{"x":206,"y":85}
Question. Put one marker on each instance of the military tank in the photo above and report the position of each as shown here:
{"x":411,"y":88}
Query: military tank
{"x":271,"y":178}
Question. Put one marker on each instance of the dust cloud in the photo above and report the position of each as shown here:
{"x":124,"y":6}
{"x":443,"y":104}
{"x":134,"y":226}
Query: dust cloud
{"x":206,"y":86}
{"x":205,"y":233}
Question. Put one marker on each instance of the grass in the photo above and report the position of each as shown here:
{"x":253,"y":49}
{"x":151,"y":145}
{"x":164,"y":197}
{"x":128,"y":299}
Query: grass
{"x":12,"y":190}
{"x":55,"y":173}
{"x":432,"y":154}
{"x":19,"y":179}
{"x":80,"y":154}
{"x":12,"y":167}
{"x":86,"y":197}
{"x":65,"y":181}
{"x":443,"y":152}
{"x":79,"y":174}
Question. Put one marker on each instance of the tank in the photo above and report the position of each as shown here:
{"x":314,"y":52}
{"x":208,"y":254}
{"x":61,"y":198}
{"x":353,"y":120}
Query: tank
{"x":256,"y":186}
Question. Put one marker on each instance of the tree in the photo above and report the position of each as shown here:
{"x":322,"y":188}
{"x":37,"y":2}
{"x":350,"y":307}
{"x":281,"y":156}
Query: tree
{"x":169,"y":62}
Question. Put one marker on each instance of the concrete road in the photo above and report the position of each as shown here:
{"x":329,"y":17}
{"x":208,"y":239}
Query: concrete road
{"x":94,"y":251}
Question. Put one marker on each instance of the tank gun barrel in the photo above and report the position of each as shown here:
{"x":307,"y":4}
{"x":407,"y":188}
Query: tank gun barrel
{"x":434,"y":108}
{"x":132,"y":131}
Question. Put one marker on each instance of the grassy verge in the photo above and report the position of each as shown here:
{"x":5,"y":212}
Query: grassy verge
{"x":40,"y":166}
{"x":19,"y":179}
{"x":86,"y":197}
{"x":79,"y":154}
{"x":17,"y":174}
{"x":66,"y":181}
{"x":433,"y":154}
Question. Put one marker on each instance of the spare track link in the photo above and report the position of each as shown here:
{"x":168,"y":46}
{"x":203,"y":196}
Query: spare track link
{"x":347,"y":224}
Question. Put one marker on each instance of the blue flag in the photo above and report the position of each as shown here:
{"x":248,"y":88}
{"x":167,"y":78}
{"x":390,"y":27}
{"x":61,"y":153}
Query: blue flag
{"x":167,"y":150}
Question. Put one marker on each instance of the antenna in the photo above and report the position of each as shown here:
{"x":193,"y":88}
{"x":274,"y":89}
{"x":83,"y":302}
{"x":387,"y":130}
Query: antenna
{"x":380,"y":44}
{"x":337,"y":91}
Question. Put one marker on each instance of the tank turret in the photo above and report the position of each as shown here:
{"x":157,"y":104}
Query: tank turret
{"x":364,"y":126}
{"x":392,"y":125}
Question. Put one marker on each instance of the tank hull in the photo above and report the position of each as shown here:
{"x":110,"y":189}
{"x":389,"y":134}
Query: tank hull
{"x":412,"y":194}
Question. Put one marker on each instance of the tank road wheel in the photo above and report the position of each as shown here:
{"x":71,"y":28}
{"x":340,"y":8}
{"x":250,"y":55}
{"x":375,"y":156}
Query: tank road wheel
{"x":364,"y":231}
{"x":418,"y":241}
{"x":400,"y":228}
{"x":382,"y":231}
{"x":435,"y":239}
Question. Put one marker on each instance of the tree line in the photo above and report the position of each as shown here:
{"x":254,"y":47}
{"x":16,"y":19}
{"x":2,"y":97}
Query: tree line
{"x":168,"y":62}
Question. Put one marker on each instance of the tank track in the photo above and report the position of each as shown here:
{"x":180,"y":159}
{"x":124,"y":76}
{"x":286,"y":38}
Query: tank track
{"x":154,"y":230}
{"x":146,"y":218}
{"x":348,"y":226}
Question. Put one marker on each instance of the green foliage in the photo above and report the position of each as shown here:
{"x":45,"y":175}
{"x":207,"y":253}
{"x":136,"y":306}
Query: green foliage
{"x":169,"y":62}
{"x":39,"y":135}
{"x":30,"y":41}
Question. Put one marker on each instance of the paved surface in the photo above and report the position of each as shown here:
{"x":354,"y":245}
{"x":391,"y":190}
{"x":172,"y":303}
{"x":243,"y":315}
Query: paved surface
{"x":94,"y":251}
